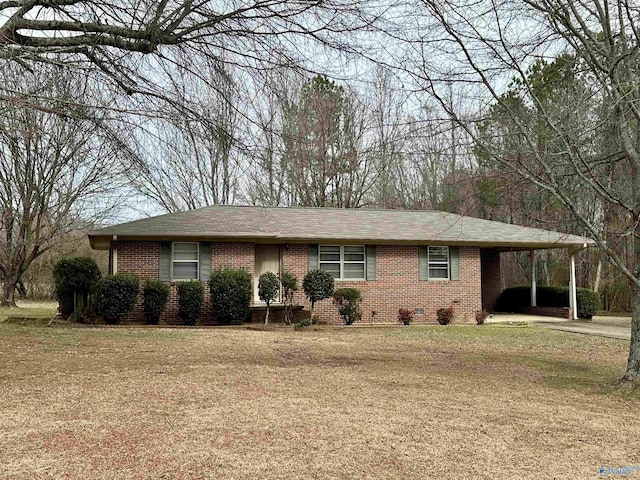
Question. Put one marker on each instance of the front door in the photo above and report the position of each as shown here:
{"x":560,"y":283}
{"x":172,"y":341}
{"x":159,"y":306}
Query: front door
{"x":267,"y":260}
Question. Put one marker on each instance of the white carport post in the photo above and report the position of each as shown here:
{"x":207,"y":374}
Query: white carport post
{"x":114,"y":255}
{"x":573,"y":300}
{"x":534,"y":287}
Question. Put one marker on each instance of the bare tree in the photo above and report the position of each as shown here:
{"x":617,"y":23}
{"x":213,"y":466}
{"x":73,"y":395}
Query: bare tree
{"x":131,"y":44}
{"x":481,"y":46}
{"x":55,"y":171}
{"x":183,"y":162}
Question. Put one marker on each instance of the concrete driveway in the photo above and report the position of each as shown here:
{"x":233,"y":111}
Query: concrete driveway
{"x":612,"y":327}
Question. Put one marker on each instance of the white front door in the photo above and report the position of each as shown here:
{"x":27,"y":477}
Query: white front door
{"x":267,"y":260}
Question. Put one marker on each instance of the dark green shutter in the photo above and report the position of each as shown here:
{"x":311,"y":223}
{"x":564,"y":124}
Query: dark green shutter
{"x":371,"y":262}
{"x":423,"y":263}
{"x":165,"y":262}
{"x":454,"y":260}
{"x":313,"y":257}
{"x":205,"y":261}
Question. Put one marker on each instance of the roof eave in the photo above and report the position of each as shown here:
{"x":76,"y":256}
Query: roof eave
{"x":99,"y":239}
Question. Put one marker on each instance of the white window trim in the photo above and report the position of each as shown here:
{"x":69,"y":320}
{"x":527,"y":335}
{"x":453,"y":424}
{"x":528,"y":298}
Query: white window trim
{"x":197,"y":260}
{"x":441,"y":264}
{"x":342,"y":262}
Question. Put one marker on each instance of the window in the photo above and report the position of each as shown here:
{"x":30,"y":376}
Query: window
{"x":344,"y":262}
{"x":438,"y":261}
{"x":185,"y":261}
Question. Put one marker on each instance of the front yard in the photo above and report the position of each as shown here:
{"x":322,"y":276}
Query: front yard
{"x":417,"y":402}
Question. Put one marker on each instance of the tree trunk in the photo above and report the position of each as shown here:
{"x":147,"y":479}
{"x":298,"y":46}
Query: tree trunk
{"x":8,"y":294}
{"x":633,"y":364}
{"x":266,"y":317}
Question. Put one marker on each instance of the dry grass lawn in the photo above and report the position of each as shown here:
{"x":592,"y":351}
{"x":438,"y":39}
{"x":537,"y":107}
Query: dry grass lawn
{"x":420,"y":402}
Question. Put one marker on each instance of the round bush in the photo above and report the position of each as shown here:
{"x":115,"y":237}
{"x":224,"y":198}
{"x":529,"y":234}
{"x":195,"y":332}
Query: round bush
{"x":405,"y":316}
{"x":230,"y":295}
{"x":317,"y":285}
{"x":445,"y":315}
{"x":115,"y":296}
{"x":156,"y":296}
{"x":79,"y":275}
{"x":190,"y":300}
{"x":348,"y":301}
{"x":268,"y":287}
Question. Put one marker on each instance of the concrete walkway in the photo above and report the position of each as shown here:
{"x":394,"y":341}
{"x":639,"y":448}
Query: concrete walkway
{"x":612,"y":327}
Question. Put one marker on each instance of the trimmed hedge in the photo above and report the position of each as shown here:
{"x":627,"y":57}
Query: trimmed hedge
{"x":512,"y":299}
{"x":156,"y":295}
{"x":77,"y":274}
{"x":190,"y":300}
{"x":115,"y":296}
{"x":230,"y":295}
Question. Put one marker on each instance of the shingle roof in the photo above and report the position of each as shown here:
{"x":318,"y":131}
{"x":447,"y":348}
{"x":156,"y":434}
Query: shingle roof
{"x":296,"y":224}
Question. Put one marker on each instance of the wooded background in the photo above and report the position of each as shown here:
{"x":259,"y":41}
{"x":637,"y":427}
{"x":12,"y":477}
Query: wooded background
{"x":519,"y":111}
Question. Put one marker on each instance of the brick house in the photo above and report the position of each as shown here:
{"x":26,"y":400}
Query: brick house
{"x":421,"y":260}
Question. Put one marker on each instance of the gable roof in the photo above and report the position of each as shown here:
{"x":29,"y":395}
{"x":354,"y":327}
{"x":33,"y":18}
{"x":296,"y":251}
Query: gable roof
{"x":323,"y":225}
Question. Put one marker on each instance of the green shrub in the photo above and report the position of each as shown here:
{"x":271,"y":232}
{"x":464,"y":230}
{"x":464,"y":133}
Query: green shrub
{"x":405,"y":316}
{"x":348,"y":301}
{"x":515,"y":298}
{"x":230,"y":295}
{"x":115,"y":296}
{"x":190,"y":300}
{"x":445,"y":315}
{"x":588,"y":302}
{"x":156,"y":295}
{"x":289,"y":288}
{"x":303,"y":323}
{"x":317,"y":285}
{"x":78,"y":276}
{"x":268,"y":288}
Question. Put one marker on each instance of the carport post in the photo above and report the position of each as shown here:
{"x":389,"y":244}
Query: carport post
{"x":534,"y":287}
{"x":573,"y":301}
{"x":114,"y":255}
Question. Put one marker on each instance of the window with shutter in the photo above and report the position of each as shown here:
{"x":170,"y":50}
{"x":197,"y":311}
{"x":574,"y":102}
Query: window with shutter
{"x":438,"y":261}
{"x":344,"y":262}
{"x":185,"y":261}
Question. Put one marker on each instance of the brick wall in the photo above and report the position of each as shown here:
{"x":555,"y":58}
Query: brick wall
{"x":142,"y":258}
{"x":397,"y":285}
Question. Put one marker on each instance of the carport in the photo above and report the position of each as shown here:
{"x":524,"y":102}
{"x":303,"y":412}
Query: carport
{"x":491,"y":276}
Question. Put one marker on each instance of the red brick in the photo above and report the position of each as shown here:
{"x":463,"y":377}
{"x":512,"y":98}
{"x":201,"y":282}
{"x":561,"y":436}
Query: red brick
{"x":397,"y":285}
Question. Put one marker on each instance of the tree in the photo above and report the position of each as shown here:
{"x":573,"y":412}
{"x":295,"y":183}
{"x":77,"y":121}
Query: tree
{"x":317,"y":285}
{"x":134,"y":45}
{"x":268,"y":288}
{"x":57,"y":173}
{"x":324,"y":163}
{"x":183,"y":162}
{"x":595,"y":153}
